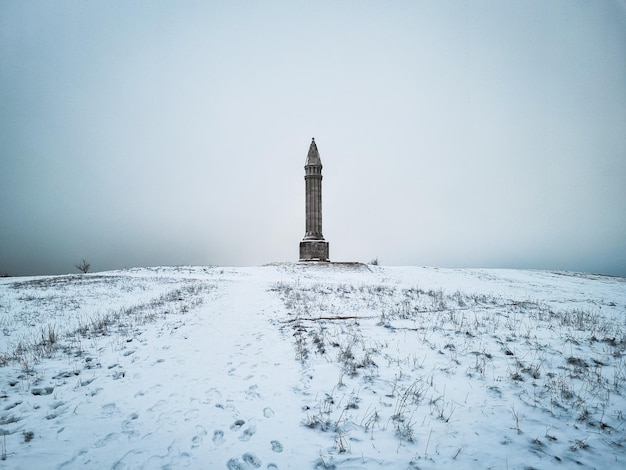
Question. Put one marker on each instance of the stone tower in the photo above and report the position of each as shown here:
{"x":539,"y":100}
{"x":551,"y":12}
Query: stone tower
{"x":313,"y":247}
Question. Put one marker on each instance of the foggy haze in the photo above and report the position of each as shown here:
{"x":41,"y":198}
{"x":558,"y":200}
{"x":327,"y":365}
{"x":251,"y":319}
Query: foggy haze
{"x":453,"y":134}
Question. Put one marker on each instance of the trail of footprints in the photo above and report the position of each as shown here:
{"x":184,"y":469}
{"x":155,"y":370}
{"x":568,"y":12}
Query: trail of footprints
{"x":248,"y":460}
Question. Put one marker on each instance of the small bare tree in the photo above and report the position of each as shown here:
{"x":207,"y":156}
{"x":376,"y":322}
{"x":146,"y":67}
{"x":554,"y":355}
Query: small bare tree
{"x":83,"y":266}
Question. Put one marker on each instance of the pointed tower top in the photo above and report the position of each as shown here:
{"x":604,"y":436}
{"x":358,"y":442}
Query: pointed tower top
{"x":313,"y":158}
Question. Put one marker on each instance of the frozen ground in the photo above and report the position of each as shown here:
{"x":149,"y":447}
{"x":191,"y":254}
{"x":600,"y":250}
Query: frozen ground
{"x":313,"y":366}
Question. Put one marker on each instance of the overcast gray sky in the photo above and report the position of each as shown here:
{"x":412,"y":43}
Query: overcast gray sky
{"x":452,"y":133}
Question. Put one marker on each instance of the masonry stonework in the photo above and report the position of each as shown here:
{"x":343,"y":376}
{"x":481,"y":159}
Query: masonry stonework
{"x":313,"y":247}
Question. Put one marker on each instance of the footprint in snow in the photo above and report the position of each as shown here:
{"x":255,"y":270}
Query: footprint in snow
{"x":108,"y":438}
{"x":197,"y":439}
{"x":247,"y":433}
{"x":237,"y":425}
{"x":252,"y":391}
{"x":251,"y":459}
{"x":276,"y":446}
{"x":218,"y":437}
{"x":235,"y":464}
{"x":129,"y":423}
{"x":109,"y":408}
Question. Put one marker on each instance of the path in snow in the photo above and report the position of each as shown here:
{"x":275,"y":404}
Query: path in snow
{"x":185,"y":391}
{"x":227,"y":414}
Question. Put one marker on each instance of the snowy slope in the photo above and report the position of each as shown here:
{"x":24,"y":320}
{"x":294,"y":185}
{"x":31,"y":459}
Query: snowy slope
{"x":313,"y":366}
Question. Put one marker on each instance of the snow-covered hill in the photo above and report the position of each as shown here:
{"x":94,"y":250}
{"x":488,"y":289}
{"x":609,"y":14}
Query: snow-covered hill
{"x":313,"y":366}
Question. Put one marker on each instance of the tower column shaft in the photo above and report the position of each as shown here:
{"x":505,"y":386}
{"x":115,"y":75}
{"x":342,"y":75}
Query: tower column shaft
{"x":313,"y":224}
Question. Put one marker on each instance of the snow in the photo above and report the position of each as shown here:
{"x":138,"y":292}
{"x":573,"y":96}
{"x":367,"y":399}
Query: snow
{"x":315,"y":366}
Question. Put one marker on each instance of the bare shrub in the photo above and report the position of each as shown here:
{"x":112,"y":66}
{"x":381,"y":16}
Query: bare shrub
{"x":83,"y":266}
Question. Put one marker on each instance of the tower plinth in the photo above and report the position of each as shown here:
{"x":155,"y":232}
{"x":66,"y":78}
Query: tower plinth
{"x":313,"y":247}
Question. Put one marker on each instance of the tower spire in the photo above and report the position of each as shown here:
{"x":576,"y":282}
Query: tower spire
{"x":313,"y":157}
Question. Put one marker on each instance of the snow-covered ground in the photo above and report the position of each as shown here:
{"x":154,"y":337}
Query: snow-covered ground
{"x":313,"y":366}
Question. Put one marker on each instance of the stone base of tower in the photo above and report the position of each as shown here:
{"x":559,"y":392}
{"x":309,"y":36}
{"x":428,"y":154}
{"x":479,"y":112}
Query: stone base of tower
{"x":313,"y":250}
